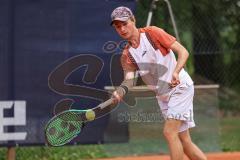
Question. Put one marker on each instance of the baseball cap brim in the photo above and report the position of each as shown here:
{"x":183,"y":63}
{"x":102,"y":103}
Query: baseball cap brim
{"x":123,"y":19}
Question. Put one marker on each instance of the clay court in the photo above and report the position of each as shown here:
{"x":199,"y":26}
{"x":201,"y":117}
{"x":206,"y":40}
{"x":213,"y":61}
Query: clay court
{"x":211,"y":156}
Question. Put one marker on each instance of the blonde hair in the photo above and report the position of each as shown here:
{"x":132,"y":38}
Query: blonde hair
{"x":132,"y":18}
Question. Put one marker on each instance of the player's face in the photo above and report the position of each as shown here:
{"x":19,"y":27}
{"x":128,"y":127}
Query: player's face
{"x":124,"y":29}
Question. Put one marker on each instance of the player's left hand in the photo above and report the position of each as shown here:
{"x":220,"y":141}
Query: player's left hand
{"x":175,"y":80}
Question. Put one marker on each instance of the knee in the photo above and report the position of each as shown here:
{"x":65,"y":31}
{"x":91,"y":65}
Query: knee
{"x":170,"y":134}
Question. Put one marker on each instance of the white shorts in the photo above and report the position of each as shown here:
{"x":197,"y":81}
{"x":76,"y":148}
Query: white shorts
{"x":179,"y":105}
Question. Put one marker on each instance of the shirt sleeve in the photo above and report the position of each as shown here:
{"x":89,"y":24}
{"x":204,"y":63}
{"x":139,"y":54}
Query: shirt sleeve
{"x":165,"y":39}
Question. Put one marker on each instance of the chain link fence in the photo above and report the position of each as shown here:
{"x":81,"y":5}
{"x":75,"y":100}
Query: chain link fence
{"x":210,"y":31}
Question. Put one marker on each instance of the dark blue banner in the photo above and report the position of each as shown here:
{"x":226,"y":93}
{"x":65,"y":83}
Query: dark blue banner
{"x":64,"y":37}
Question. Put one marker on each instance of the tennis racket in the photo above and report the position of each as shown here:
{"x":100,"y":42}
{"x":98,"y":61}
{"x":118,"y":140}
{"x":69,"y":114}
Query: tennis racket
{"x":65,"y":126}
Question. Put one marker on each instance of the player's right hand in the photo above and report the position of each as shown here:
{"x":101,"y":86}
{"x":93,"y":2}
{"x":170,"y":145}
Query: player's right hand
{"x":118,"y":94}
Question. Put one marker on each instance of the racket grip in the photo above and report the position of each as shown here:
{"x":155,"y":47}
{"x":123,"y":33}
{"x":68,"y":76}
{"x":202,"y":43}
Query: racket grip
{"x":106,"y":103}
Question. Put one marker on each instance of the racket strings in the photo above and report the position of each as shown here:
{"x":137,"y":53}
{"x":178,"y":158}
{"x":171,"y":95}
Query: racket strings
{"x":63,"y":128}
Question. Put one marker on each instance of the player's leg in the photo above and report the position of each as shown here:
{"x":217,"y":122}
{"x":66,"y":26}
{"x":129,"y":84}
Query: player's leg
{"x":189,"y":148}
{"x":170,"y":131}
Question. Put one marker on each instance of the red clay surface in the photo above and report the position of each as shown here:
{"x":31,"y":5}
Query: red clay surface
{"x":211,"y":156}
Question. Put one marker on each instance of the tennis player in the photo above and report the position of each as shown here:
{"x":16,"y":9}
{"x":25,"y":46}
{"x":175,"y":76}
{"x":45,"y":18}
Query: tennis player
{"x":150,"y":51}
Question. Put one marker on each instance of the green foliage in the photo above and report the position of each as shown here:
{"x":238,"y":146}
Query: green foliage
{"x":142,"y":12}
{"x":230,"y":136}
{"x":3,"y":152}
{"x":57,"y":153}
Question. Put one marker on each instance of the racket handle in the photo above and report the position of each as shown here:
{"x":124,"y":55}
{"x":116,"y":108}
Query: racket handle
{"x":106,"y":103}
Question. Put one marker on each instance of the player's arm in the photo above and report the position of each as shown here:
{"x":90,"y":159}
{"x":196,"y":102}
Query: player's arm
{"x":127,"y":83}
{"x":182,"y":55}
{"x":181,"y":61}
{"x":129,"y":69}
{"x":169,"y":42}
